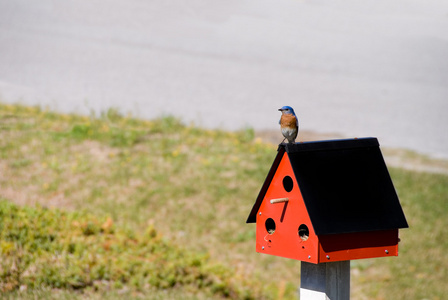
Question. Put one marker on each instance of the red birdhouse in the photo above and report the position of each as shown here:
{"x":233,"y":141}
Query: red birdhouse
{"x":328,"y":201}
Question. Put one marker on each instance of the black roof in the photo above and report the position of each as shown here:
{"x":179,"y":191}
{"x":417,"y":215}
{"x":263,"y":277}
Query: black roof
{"x":345,"y":185}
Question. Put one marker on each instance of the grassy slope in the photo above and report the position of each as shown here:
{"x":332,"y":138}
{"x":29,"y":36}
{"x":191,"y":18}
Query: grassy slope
{"x":77,"y":251}
{"x":196,"y":187}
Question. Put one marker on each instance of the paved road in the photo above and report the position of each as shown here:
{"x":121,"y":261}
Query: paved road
{"x":357,"y":68}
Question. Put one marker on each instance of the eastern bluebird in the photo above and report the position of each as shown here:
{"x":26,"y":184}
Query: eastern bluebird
{"x":289,"y":124}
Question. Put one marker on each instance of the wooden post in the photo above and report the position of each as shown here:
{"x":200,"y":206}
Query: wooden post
{"x":325,"y":281}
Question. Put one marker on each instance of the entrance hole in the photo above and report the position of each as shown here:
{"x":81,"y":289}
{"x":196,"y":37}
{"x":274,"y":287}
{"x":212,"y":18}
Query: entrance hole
{"x":288,"y":183}
{"x":270,"y":226}
{"x":303,"y":232}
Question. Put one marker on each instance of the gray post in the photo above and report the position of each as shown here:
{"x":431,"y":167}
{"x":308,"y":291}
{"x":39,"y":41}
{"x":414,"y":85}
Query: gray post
{"x":325,"y":281}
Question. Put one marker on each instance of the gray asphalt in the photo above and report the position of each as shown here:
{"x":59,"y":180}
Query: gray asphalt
{"x":356,"y":68}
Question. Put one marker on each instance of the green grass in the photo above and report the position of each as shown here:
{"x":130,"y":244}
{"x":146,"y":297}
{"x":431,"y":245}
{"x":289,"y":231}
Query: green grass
{"x":43,"y":248}
{"x":195,"y":188}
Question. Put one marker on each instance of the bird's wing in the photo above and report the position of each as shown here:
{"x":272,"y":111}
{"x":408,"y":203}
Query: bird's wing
{"x":297,"y":119}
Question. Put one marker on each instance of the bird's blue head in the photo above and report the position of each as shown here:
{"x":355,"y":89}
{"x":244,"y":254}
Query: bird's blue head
{"x":287,"y":110}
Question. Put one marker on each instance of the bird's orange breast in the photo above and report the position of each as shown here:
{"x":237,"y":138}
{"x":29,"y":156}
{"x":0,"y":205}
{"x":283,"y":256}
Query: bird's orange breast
{"x":288,"y":121}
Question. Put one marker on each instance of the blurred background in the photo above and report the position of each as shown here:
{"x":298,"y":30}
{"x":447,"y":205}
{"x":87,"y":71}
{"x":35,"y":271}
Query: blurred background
{"x":349,"y":68}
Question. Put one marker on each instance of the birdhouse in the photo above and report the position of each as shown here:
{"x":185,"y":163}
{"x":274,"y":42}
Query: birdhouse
{"x":328,"y":201}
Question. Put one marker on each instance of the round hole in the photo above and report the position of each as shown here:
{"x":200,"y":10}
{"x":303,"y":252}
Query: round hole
{"x":304,"y":233}
{"x":270,"y":226}
{"x":288,"y":184}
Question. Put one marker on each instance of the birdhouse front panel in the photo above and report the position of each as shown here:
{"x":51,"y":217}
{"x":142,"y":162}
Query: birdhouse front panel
{"x":283,"y":225}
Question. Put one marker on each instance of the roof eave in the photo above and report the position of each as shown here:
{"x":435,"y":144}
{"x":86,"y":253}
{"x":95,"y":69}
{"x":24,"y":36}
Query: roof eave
{"x":252,"y":218}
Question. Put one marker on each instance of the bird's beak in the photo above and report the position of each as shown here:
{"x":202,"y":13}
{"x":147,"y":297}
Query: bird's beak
{"x":280,"y":109}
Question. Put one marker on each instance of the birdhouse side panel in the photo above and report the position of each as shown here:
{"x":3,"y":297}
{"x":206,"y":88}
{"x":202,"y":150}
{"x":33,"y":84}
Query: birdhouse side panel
{"x":283,"y":225}
{"x":360,"y":245}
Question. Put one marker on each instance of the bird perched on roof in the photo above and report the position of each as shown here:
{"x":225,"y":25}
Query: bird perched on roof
{"x":289,"y":124}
